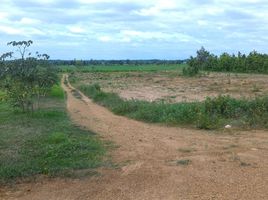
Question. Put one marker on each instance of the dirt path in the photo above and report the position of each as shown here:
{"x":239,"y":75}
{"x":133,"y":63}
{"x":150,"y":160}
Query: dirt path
{"x":161,"y":162}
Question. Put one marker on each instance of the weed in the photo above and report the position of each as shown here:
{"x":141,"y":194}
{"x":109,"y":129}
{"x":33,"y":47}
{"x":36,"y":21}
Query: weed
{"x":183,"y":162}
{"x":185,"y":150}
{"x":244,"y":164}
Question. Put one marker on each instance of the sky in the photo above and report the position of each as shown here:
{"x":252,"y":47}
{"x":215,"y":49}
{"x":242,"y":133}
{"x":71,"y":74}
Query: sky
{"x":135,"y":29}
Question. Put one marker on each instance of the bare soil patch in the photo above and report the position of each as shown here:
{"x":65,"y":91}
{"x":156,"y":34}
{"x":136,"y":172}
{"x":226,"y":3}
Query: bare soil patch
{"x":158,"y":162}
{"x":170,"y":87}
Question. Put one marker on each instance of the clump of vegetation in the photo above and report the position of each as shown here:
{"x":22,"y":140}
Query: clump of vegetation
{"x":26,"y":79}
{"x":196,"y":64}
{"x":209,"y":114}
{"x":190,"y":71}
{"x":45,"y":142}
{"x":254,"y":62}
{"x":183,"y":162}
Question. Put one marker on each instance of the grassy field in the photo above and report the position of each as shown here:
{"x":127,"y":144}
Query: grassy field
{"x":121,"y":68}
{"x":45,"y":142}
{"x":212,"y":113}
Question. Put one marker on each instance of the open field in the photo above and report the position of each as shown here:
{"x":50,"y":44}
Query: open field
{"x":171,"y":87}
{"x":161,"y":162}
{"x":153,"y":161}
{"x":133,"y":100}
{"x":120,"y":68}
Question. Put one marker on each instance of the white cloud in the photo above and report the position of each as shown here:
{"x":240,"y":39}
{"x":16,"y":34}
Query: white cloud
{"x":105,"y":38}
{"x":10,"y":30}
{"x":148,"y":25}
{"x":29,"y":21}
{"x":76,"y":29}
{"x":3,"y":15}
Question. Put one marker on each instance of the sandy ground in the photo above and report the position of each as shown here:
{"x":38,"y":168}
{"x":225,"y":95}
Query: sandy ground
{"x":160,"y":162}
{"x":171,"y":87}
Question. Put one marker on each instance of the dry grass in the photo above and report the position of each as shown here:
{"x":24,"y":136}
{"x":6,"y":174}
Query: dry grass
{"x":171,"y":87}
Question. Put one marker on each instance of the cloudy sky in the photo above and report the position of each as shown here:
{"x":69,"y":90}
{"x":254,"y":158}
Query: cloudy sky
{"x":135,"y":29}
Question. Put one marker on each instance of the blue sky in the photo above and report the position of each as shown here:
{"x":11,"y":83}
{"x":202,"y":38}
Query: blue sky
{"x":140,"y":29}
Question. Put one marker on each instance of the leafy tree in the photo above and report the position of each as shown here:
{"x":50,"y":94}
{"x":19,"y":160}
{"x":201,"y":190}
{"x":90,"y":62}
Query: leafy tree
{"x":27,"y":78}
{"x":202,"y":60}
{"x":202,"y":57}
{"x":253,"y":62}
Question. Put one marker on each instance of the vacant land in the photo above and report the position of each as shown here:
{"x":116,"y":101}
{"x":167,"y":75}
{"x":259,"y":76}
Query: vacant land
{"x":153,"y":161}
{"x":120,"y":68}
{"x":171,"y":87}
{"x":161,"y":162}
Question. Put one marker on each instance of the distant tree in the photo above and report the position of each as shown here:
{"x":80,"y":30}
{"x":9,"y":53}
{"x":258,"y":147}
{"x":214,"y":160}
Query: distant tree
{"x":202,"y":60}
{"x":253,"y":62}
{"x":202,"y":57}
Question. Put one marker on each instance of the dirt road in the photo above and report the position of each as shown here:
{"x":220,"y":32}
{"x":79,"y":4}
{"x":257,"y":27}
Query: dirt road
{"x":161,"y":162}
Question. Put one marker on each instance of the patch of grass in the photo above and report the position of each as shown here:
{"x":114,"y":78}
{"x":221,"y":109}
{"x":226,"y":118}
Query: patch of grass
{"x":256,"y":88}
{"x":231,"y":146}
{"x":45,"y":142}
{"x":57,"y":92}
{"x":183,"y":162}
{"x":123,"y":68}
{"x":244,"y":164}
{"x":212,"y":113}
{"x":2,"y":95}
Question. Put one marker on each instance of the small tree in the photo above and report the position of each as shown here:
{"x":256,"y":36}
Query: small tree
{"x":26,"y":78}
{"x":192,"y":69}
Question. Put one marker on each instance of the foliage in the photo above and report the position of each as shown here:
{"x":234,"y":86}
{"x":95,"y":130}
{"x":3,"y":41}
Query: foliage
{"x":254,"y":62}
{"x":46,"y":142}
{"x":192,"y":69}
{"x":198,"y":63}
{"x":27,"y":78}
{"x":209,"y":114}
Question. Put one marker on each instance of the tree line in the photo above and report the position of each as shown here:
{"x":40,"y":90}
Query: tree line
{"x":76,"y":62}
{"x":254,"y":62}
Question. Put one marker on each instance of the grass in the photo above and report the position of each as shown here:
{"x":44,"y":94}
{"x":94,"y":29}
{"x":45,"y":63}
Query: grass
{"x":212,"y":113}
{"x":45,"y":142}
{"x":57,"y":92}
{"x":121,"y":68}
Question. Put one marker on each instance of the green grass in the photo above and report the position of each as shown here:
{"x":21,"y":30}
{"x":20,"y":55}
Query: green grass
{"x":45,"y":142}
{"x":213,"y":113}
{"x":2,"y":95}
{"x":121,"y":68}
{"x":57,"y":92}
